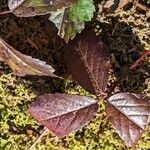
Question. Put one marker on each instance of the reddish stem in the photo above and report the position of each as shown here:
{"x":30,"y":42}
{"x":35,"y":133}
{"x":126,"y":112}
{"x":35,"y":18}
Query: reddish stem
{"x":143,"y":55}
{"x":142,"y":6}
{"x":133,"y":66}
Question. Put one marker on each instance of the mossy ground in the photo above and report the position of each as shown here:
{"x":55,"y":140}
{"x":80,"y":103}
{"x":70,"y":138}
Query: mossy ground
{"x":125,"y":39}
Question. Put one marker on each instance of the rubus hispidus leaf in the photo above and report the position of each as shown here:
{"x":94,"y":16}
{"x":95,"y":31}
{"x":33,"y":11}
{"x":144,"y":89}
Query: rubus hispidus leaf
{"x":63,"y":113}
{"x":23,"y":65}
{"x":88,"y":61}
{"x":129,"y":114}
{"x":28,"y":8}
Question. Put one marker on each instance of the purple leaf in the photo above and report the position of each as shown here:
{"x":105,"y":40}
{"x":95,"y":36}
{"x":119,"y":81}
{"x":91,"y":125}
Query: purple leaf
{"x":88,"y":61}
{"x":129,"y":113}
{"x":63,"y":113}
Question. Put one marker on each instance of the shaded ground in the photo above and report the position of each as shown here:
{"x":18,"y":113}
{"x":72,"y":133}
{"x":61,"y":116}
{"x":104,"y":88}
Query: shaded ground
{"x":126,"y":34}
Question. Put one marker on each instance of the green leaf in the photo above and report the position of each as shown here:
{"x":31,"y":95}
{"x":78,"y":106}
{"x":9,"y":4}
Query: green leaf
{"x":82,"y":11}
{"x":70,"y":21}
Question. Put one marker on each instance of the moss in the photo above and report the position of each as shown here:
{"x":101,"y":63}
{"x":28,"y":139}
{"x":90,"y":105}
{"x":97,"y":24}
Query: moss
{"x":19,"y":130}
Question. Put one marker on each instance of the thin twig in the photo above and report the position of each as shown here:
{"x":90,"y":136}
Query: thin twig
{"x":38,"y":139}
{"x":142,"y":6}
{"x":143,"y":55}
{"x":5,"y":12}
{"x":133,"y":66}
